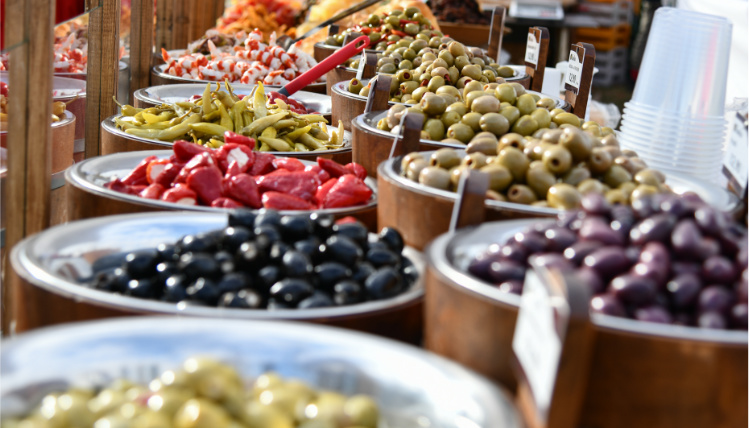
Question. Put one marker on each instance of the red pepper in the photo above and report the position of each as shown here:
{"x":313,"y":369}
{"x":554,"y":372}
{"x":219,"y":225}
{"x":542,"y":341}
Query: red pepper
{"x":300,"y":184}
{"x":226,"y":203}
{"x":3,"y":89}
{"x":282,"y":201}
{"x":323,"y":190}
{"x":186,"y":150}
{"x":365,"y":30}
{"x":273,"y":95}
{"x":232,"y":170}
{"x":233,"y":138}
{"x":180,"y":194}
{"x":243,"y":155}
{"x":357,"y":170}
{"x":206,"y":182}
{"x":289,"y":164}
{"x":155,"y":168}
{"x":203,"y":159}
{"x":348,"y":191}
{"x":296,"y":106}
{"x":321,"y":173}
{"x":403,"y":22}
{"x":118,"y":186}
{"x":263,"y":164}
{"x":399,"y":33}
{"x":244,"y":189}
{"x":138,"y":175}
{"x":153,"y":191}
{"x":169,"y":174}
{"x":347,"y":219}
{"x":136,"y":189}
{"x":332,"y":167}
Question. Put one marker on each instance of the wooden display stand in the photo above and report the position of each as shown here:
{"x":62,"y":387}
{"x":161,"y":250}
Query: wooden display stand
{"x":535,"y":62}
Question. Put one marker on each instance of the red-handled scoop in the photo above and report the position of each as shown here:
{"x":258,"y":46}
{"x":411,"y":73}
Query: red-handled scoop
{"x":329,"y":63}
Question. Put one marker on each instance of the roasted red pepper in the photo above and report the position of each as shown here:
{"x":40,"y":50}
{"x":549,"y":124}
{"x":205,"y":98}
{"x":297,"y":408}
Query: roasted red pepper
{"x":226,"y":203}
{"x":321,"y":173}
{"x":244,"y":189}
{"x":289,"y":164}
{"x":232,"y":170}
{"x":323,"y":190}
{"x":233,"y":138}
{"x":332,"y":167}
{"x":169,"y":174}
{"x":300,"y":184}
{"x":186,"y":150}
{"x":348,"y":191}
{"x":3,"y":89}
{"x":243,"y":155}
{"x":206,"y":182}
{"x":138,"y":175}
{"x":282,"y":201}
{"x":399,"y":33}
{"x":155,"y":168}
{"x":180,"y":194}
{"x":347,"y":219}
{"x":153,"y":191}
{"x":357,"y":170}
{"x":118,"y":186}
{"x":202,"y":160}
{"x":263,"y":164}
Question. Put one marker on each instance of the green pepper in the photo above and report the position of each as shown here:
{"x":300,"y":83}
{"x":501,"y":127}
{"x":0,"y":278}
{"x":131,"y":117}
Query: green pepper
{"x":276,"y":144}
{"x":208,"y":106}
{"x":298,"y":132}
{"x":226,"y":121}
{"x":311,"y":142}
{"x":258,"y":102}
{"x":259,"y":124}
{"x":209,"y":129}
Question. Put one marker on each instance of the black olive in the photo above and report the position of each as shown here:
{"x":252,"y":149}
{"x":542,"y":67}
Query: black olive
{"x":175,"y":288}
{"x":362,"y":272}
{"x":383,"y":283}
{"x":200,"y":243}
{"x":377,"y":245}
{"x":354,"y":230}
{"x":409,"y":271}
{"x":111,"y":281}
{"x":348,"y":292}
{"x":329,"y":274}
{"x":141,"y":264}
{"x":323,"y":224}
{"x":164,"y":270}
{"x":291,"y":291}
{"x":144,"y":288}
{"x":225,"y":261}
{"x":317,"y":300}
{"x":195,"y":265}
{"x":277,"y":251}
{"x":267,"y":217}
{"x":296,"y":264}
{"x":245,"y":299}
{"x":380,"y":258}
{"x":392,"y":238}
{"x":310,"y":247}
{"x":266,"y":277}
{"x":109,"y":262}
{"x":244,"y":218}
{"x":234,"y":281}
{"x":266,"y":235}
{"x":167,"y":252}
{"x":275,"y":304}
{"x":249,"y":257}
{"x":295,"y":227}
{"x":233,"y":237}
{"x":339,"y":248}
{"x":203,"y":290}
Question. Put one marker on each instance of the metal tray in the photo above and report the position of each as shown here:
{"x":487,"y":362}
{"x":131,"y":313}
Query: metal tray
{"x":158,"y":70}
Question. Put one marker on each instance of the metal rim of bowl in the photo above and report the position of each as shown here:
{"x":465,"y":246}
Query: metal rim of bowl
{"x":36,"y":274}
{"x":76,"y":176}
{"x":69,"y":117}
{"x":439,"y":254}
{"x":520,"y":69}
{"x":121,"y":66}
{"x":109,"y":125}
{"x":364,"y":121}
{"x":159,"y":71}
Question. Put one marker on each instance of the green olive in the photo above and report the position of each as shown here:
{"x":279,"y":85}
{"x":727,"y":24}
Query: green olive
{"x":563,"y":196}
{"x":404,"y":76}
{"x":644,"y":190}
{"x":592,"y":127}
{"x":478,"y":61}
{"x":576,"y":175}
{"x":525,"y":125}
{"x":461,"y":132}
{"x":432,"y":104}
{"x":512,"y":140}
{"x":627,"y":188}
{"x":449,"y":118}
{"x":472,"y":96}
{"x":506,"y":72}
{"x":474,"y":160}
{"x":201,"y":413}
{"x":538,"y":150}
{"x":539,"y":179}
{"x":482,"y":145}
{"x":361,"y":411}
{"x":409,"y":54}
{"x":485,"y":104}
{"x":456,"y":49}
{"x":435,"y":129}
{"x":436,"y":177}
{"x":388,"y":68}
{"x":499,"y":177}
{"x":418,"y":93}
{"x":439,"y":62}
{"x":447,"y":57}
{"x":494,"y":123}
{"x":567,"y":118}
{"x":394,"y":114}
{"x":514,"y":160}
{"x":511,"y":113}
{"x":542,"y":117}
{"x":616,"y":197}
{"x":495,"y":196}
{"x":600,"y":162}
{"x":472,"y":86}
{"x":473,"y":120}
{"x":407,"y":159}
{"x":435,"y":83}
{"x":557,"y":160}
{"x":505,"y":92}
{"x":365,"y":91}
{"x":614,"y":152}
{"x":649,"y":177}
{"x":521,"y":194}
{"x":526,"y":104}
{"x":590,"y":185}
{"x":458,"y":107}
{"x":490,"y":76}
{"x":546,"y":103}
{"x":616,"y":175}
{"x":355,"y":86}
{"x":473,"y":71}
{"x":414,"y":169}
{"x":577,"y":142}
{"x":461,"y":62}
{"x":552,"y":136}
{"x":610,"y":140}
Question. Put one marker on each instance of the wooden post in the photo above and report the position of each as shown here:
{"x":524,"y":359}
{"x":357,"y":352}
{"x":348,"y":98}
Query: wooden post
{"x":141,"y":44}
{"x":29,"y":30}
{"x":164,"y":25}
{"x":496,"y":32}
{"x":536,"y":71}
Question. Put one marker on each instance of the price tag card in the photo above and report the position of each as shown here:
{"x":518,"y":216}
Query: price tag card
{"x":574,"y":70}
{"x":537,"y":343}
{"x":735,"y":160}
{"x":532,"y":49}
{"x":362,"y":64}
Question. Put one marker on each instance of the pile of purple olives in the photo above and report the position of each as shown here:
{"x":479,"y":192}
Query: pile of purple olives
{"x":265,"y":260}
{"x":666,"y":259}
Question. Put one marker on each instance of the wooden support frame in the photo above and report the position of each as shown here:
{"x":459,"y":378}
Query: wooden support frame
{"x":578,"y":98}
{"x":496,"y":32}
{"x":179,"y":22}
{"x":141,"y":45}
{"x":536,"y":71}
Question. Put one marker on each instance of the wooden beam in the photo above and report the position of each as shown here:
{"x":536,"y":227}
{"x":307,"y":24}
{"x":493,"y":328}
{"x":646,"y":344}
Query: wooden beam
{"x":164,"y":25}
{"x":141,"y":44}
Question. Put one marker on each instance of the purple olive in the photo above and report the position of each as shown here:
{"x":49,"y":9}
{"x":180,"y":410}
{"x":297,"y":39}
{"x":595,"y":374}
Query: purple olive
{"x":656,"y":252}
{"x":741,"y":258}
{"x":711,"y":320}
{"x":685,"y":238}
{"x":598,"y":229}
{"x":579,"y":250}
{"x":634,"y":289}
{"x":608,"y":305}
{"x":710,"y":220}
{"x":653,"y":313}
{"x":551,"y":261}
{"x":513,"y":287}
{"x":732,"y":239}
{"x":738,"y":316}
{"x":559,"y":238}
{"x":707,"y":248}
{"x":591,"y":279}
{"x":718,"y":269}
{"x":680,"y":267}
{"x":534,"y":242}
{"x":684,"y":289}
{"x":643,"y":207}
{"x":505,"y":270}
{"x":742,"y":289}
{"x":595,"y":204}
{"x":480,"y":265}
{"x":633,"y":253}
{"x":652,"y":271}
{"x":655,"y":228}
{"x":566,"y":218}
{"x":608,"y":262}
{"x":715,"y":298}
{"x":692,"y":198}
{"x":622,"y":219}
{"x":515,"y":252}
{"x":684,"y":318}
{"x":677,"y":206}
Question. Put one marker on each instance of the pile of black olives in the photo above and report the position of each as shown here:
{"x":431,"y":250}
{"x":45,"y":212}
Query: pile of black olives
{"x":666,"y":259}
{"x":266,"y":260}
{"x":203,"y":393}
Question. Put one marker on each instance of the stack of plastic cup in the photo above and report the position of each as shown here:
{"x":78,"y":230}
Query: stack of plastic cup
{"x":675,"y":120}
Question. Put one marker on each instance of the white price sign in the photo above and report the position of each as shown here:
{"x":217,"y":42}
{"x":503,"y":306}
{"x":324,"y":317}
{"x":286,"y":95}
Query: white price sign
{"x":362,"y":64}
{"x":735,"y":159}
{"x":532,"y":49}
{"x":536,"y":343}
{"x":574,"y":70}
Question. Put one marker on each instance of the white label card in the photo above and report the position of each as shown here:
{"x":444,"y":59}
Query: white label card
{"x":735,"y":159}
{"x":574,"y":70}
{"x":532,"y":49}
{"x":536,"y":342}
{"x":362,"y":64}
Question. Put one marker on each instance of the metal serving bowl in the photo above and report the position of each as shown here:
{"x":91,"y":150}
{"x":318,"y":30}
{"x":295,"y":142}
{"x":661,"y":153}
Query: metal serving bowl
{"x":59,"y":259}
{"x":412,"y":388}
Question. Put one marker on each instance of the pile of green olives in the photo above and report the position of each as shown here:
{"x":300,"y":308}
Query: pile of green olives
{"x":390,"y":28}
{"x":553,"y":168}
{"x":203,"y":393}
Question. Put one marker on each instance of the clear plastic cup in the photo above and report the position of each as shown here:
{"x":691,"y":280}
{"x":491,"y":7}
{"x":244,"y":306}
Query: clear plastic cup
{"x":666,"y":125}
{"x":676,"y":143}
{"x":649,"y":111}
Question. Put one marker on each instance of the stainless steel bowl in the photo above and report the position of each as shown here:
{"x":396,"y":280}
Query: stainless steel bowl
{"x":157,"y":95}
{"x":92,"y":174}
{"x":158,"y":71}
{"x":413,"y":388}
{"x":58,"y":259}
{"x":520,"y":73}
{"x":714,"y":195}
